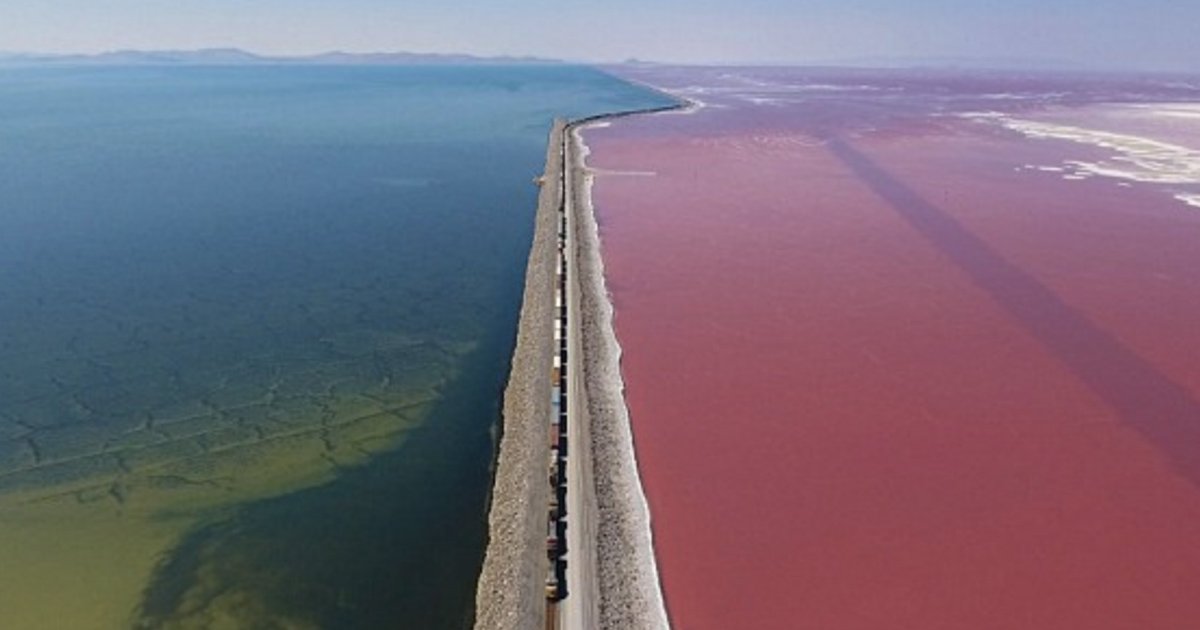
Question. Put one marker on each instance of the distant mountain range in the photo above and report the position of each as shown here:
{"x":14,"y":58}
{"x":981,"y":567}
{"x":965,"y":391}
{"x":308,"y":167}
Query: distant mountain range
{"x":237,"y":57}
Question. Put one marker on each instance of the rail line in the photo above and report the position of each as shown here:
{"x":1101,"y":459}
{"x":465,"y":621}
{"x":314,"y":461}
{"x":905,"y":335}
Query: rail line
{"x":571,"y":597}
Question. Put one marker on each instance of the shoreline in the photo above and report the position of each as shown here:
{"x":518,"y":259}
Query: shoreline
{"x":626,"y":572}
{"x":509,"y":592}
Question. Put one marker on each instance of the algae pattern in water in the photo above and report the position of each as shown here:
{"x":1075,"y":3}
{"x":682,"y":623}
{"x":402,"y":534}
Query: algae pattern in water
{"x":255,"y":326}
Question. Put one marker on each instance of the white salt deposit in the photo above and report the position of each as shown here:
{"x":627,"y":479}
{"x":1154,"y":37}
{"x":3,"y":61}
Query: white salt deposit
{"x":1190,"y":199}
{"x":1134,"y":158}
{"x":1172,"y":110}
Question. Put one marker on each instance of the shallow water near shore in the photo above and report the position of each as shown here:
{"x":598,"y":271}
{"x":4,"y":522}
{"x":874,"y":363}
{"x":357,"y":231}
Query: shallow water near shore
{"x":256,"y":322}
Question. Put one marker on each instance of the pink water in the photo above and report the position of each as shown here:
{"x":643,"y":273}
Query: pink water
{"x":882,"y":376}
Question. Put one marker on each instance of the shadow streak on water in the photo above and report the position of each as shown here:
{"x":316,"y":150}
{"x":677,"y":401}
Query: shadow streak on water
{"x":342,"y":555}
{"x":1147,"y":401}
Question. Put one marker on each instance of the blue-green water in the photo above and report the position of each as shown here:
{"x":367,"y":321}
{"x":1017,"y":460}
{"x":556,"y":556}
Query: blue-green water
{"x":254,"y":327}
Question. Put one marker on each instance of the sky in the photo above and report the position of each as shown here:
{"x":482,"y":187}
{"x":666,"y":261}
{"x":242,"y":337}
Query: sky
{"x":1100,"y":34}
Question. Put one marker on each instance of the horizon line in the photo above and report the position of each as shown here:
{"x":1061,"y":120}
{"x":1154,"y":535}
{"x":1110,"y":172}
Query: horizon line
{"x":948,"y":62}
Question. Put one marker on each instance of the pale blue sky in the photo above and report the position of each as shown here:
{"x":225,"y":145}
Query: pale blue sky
{"x":1161,"y":34}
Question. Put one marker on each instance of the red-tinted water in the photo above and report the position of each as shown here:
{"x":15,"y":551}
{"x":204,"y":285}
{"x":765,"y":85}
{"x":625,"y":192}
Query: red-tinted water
{"x":889,"y":378}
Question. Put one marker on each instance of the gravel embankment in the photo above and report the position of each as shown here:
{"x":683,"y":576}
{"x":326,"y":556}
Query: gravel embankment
{"x":626,"y":572}
{"x":624,"y":579}
{"x":511,"y":591}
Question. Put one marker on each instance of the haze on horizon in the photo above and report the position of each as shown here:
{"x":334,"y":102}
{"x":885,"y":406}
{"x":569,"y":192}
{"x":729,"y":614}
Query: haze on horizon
{"x":1102,"y":34}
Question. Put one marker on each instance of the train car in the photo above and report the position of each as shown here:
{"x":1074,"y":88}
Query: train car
{"x":554,"y":470}
{"x":551,"y":538}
